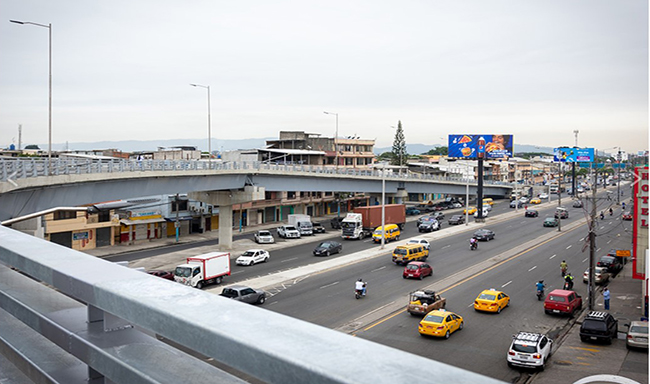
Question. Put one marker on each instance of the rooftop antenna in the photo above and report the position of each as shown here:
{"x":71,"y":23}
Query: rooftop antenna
{"x":20,"y":136}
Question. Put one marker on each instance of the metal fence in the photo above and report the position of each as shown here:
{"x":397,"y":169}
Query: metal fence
{"x":66,"y":317}
{"x":21,"y":168}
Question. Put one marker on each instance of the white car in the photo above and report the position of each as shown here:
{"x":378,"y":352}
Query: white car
{"x":422,"y":242}
{"x":253,"y":256}
{"x":485,"y":212}
{"x":543,"y":196}
{"x":529,"y":350}
{"x":524,"y":200}
{"x":264,"y":237}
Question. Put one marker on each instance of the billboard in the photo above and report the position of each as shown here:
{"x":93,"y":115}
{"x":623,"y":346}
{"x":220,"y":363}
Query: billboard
{"x":573,"y":155}
{"x":640,"y":226}
{"x":480,"y":146}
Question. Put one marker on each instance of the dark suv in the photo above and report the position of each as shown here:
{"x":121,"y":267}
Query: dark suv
{"x":599,"y":326}
{"x":612,"y":264}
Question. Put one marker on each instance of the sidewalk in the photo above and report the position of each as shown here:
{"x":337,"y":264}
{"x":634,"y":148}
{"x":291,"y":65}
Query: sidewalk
{"x":573,"y":360}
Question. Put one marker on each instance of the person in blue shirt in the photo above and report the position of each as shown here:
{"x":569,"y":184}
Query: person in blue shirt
{"x":606,"y":296}
{"x":540,"y":286}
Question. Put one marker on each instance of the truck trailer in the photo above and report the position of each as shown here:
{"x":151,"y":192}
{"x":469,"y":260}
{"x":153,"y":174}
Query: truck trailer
{"x":363,"y":220}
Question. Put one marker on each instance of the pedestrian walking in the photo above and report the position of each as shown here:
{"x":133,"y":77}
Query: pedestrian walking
{"x":606,"y":296}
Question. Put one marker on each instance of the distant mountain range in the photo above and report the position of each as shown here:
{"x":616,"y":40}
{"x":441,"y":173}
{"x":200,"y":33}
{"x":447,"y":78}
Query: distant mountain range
{"x":229,"y":145}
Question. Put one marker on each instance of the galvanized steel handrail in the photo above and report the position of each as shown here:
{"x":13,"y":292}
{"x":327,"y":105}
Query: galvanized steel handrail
{"x":272,"y":347}
{"x":22,"y":168}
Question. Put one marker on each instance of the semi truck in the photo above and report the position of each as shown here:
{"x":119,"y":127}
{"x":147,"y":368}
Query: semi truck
{"x":203,"y":269}
{"x":363,"y":220}
{"x":302,"y":223}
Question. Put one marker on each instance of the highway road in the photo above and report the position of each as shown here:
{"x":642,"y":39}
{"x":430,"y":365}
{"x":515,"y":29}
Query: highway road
{"x":327,"y":298}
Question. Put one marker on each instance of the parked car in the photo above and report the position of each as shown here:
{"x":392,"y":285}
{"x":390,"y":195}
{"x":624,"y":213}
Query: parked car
{"x":318,"y":227}
{"x":531,"y":213}
{"x":253,"y":256}
{"x":245,"y":294}
{"x":429,"y":226}
{"x":529,"y":350}
{"x":327,"y":248}
{"x":335,"y":223}
{"x":417,"y":270}
{"x":162,"y":274}
{"x":601,"y":275}
{"x":551,"y":222}
{"x":484,"y":234}
{"x":516,"y":204}
{"x":264,"y":237}
{"x":412,"y":211}
{"x":577,"y":204}
{"x":637,"y":335}
{"x":457,"y":219}
{"x":599,"y":326}
{"x":611,"y":263}
{"x":561,"y":213}
{"x":543,"y":196}
{"x":423,"y":242}
{"x":627,"y":216}
{"x":561,"y":301}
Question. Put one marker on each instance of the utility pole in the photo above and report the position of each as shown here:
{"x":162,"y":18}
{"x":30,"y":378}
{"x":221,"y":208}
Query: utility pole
{"x":177,"y":225}
{"x":592,"y":242}
{"x":618,"y":181}
{"x":559,"y":196}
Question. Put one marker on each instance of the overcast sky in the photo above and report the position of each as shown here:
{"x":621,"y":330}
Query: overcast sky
{"x":537,"y":69}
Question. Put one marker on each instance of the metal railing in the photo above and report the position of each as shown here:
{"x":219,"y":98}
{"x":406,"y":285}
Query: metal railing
{"x":22,"y":168}
{"x":94,"y":321}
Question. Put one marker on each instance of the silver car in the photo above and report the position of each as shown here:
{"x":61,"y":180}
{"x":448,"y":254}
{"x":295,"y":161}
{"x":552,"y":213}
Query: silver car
{"x":264,"y":237}
{"x":601,"y":275}
{"x":245,"y":294}
{"x":637,"y":335}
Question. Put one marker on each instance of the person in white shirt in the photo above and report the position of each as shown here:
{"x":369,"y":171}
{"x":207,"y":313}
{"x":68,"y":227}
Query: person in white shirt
{"x":359,"y":285}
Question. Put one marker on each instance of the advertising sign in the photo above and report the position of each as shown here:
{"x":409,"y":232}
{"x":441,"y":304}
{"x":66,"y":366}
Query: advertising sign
{"x":573,"y":155}
{"x":480,"y":146}
{"x":640,"y":226}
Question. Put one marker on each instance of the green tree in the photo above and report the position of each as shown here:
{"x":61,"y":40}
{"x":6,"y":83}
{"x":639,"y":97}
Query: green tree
{"x":386,"y":156}
{"x":399,"y":146}
{"x":32,"y":146}
{"x":441,"y":151}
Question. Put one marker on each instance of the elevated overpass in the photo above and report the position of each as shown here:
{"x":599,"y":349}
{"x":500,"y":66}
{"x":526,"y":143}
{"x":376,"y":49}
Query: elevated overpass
{"x":33,"y":185}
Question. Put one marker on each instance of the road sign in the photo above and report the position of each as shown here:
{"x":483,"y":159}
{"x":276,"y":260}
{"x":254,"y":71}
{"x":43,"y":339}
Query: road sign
{"x":623,"y":253}
{"x":591,"y":165}
{"x":618,"y":165}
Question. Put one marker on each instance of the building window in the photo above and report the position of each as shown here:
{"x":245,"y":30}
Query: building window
{"x":65,"y":215}
{"x":104,"y":216}
{"x":182,"y":205}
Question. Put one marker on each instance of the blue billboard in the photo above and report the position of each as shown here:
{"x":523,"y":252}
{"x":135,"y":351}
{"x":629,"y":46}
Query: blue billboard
{"x":573,"y":155}
{"x":480,"y":146}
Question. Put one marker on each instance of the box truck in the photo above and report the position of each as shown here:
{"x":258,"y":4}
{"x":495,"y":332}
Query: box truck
{"x":203,"y":269}
{"x":363,"y":220}
{"x":302,"y":223}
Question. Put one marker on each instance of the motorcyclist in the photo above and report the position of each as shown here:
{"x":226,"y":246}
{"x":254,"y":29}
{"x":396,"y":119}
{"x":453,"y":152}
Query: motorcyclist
{"x":611,"y":211}
{"x":569,"y":281}
{"x":360,"y":285}
{"x":623,"y":205}
{"x":563,"y":267}
{"x":473,"y":242}
{"x":540,"y":287}
{"x":602,"y":215}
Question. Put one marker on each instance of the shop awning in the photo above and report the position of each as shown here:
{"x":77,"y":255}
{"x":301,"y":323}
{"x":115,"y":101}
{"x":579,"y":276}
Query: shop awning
{"x":142,"y":221}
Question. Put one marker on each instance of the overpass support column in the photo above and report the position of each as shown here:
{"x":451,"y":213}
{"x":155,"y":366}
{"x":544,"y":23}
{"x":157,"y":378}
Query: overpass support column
{"x":225,"y":200}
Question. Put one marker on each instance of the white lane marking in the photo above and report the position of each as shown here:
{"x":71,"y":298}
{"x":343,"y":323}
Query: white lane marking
{"x":523,"y":222}
{"x":329,"y":285}
{"x":569,"y":246}
{"x":446,"y":246}
{"x":552,"y":257}
{"x":374,"y":310}
{"x":609,"y":241}
{"x":610,"y":223}
{"x":598,"y":250}
{"x":470,"y":306}
{"x":506,"y":284}
{"x":585,"y":259}
{"x":293,"y":258}
{"x":236,"y":272}
{"x":378,"y":269}
{"x":509,"y":226}
{"x":532,"y":268}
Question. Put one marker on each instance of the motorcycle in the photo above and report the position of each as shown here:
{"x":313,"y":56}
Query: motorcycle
{"x":473,"y":245}
{"x":563,"y":271}
{"x":358,"y":293}
{"x":540,"y":294}
{"x":568,"y":285}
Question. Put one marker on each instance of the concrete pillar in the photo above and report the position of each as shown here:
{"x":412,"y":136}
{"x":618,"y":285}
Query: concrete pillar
{"x":225,"y":200}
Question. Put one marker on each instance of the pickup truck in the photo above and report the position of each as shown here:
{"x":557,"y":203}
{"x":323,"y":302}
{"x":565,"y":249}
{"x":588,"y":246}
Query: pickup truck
{"x":561,"y":301}
{"x":288,"y":232}
{"x":423,"y":302}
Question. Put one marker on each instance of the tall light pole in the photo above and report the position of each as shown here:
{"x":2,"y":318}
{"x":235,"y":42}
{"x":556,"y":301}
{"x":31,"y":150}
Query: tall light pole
{"x":336,"y":137}
{"x":49,"y":125}
{"x":383,"y":205}
{"x":209,"y":125}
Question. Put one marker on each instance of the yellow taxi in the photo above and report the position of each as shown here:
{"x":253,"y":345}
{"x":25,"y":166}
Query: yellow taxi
{"x":536,"y":200}
{"x":472,"y":210}
{"x":440,"y":323}
{"x":491,"y":300}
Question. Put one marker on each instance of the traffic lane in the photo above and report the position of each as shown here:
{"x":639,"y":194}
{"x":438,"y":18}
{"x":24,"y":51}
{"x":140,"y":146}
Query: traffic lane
{"x":482,"y":345}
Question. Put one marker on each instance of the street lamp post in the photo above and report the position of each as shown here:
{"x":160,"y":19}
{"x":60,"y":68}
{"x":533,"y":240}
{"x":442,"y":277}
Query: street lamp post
{"x":336,"y":137}
{"x":49,"y":125}
{"x":209,"y":125}
{"x":383,"y":205}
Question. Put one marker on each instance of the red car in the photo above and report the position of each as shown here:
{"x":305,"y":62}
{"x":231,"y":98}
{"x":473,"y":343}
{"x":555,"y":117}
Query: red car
{"x":164,"y":274}
{"x":417,"y":270}
{"x":561,"y":301}
{"x":627,"y":216}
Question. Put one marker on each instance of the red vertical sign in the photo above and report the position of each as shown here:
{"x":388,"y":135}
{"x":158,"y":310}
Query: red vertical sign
{"x":640,"y":229}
